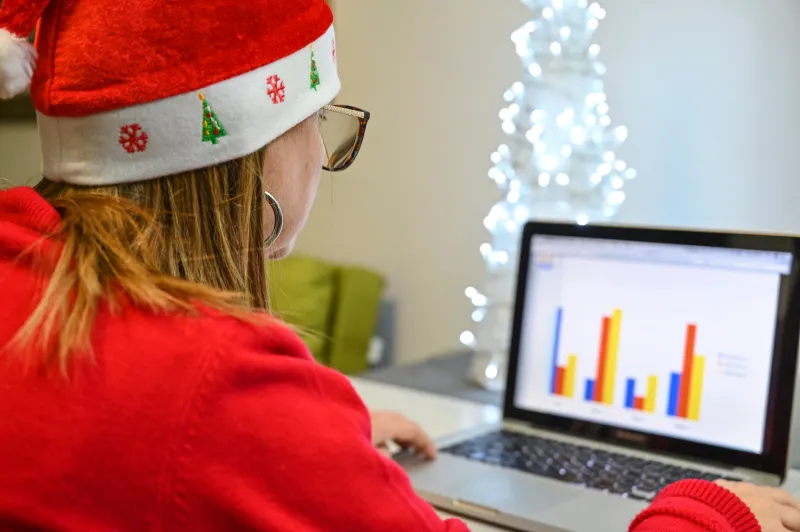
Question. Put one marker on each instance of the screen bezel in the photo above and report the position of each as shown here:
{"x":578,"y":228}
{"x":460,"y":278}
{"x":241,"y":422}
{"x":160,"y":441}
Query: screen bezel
{"x":774,"y":458}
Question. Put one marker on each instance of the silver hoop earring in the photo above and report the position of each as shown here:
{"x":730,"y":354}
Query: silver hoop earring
{"x":278,"y":227}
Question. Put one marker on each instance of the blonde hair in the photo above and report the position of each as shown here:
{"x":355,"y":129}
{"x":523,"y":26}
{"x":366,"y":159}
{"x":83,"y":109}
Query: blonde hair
{"x":167,"y":245}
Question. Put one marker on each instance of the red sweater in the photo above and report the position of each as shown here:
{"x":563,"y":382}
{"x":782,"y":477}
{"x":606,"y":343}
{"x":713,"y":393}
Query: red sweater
{"x":206,"y":423}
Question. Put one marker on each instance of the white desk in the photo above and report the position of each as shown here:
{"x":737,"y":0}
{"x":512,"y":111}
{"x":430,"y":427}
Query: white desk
{"x":440,"y":416}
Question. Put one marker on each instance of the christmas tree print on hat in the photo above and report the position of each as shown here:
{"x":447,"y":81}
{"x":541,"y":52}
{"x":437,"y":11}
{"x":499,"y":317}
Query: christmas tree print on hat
{"x":314,"y":72}
{"x":213,"y":129}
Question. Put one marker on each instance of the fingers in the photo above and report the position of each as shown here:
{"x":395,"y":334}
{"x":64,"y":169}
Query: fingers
{"x":391,"y":426}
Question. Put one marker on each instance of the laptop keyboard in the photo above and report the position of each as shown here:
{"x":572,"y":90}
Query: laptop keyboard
{"x":615,"y":473}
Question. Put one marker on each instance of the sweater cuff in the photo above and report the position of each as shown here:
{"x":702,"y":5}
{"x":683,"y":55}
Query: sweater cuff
{"x":722,"y":501}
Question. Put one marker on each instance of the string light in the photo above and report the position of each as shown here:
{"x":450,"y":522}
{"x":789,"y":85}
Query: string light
{"x":559,"y":161}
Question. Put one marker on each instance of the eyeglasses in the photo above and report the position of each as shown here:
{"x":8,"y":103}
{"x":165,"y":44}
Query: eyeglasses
{"x":342,"y":128}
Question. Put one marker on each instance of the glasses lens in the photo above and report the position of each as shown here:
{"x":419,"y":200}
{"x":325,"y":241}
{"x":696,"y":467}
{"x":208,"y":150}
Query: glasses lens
{"x":340,"y":133}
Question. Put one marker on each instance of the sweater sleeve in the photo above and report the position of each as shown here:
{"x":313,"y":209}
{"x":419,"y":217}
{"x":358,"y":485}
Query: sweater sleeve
{"x":274,"y":442}
{"x":695,"y":506}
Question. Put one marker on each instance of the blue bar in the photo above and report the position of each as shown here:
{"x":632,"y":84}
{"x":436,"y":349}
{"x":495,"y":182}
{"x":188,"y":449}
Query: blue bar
{"x":630,"y":391}
{"x":556,"y":341}
{"x":674,"y":390}
{"x":589,"y":395}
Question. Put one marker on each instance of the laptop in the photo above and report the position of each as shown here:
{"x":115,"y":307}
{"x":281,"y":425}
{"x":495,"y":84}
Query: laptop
{"x":638,"y":357}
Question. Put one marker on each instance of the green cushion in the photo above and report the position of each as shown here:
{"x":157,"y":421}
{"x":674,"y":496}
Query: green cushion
{"x":356,"y":315}
{"x":302,"y":293}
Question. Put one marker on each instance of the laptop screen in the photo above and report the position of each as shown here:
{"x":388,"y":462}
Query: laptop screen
{"x":664,"y":339}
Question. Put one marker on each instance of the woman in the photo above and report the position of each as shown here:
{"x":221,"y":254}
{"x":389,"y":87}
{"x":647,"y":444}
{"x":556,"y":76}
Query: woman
{"x":144,"y":385}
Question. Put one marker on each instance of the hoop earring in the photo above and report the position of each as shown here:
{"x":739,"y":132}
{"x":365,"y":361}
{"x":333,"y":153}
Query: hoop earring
{"x":278,"y":212}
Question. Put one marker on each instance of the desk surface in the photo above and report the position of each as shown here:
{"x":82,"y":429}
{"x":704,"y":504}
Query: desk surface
{"x":440,"y":416}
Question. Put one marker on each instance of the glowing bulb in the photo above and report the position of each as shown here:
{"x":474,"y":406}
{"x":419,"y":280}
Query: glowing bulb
{"x":566,"y":150}
{"x":470,"y":292}
{"x":591,"y":120}
{"x":544,"y":179}
{"x":620,"y":166}
{"x":502,"y":257}
{"x":578,"y":135}
{"x":503,"y":150}
{"x":489,"y":223}
{"x":537,"y":115}
{"x":621,"y":132}
{"x":592,"y":24}
{"x":540,"y":146}
{"x":508,"y":95}
{"x":558,"y":4}
{"x":531,"y":135}
{"x":555,"y":48}
{"x":617,"y":183}
{"x":564,"y":119}
{"x":467,"y":338}
{"x":604,"y":169}
{"x":583,"y":4}
{"x":518,"y":88}
{"x":562,"y":179}
{"x":495,"y":157}
{"x":504,"y":114}
{"x":605,"y":121}
{"x":547,"y":13}
{"x":491,"y":371}
{"x":630,"y":173}
{"x":511,"y":226}
{"x":595,"y":179}
{"x":616,"y":197}
{"x":608,"y":211}
{"x":535,"y":69}
{"x":609,"y":156}
{"x":486,"y":248}
{"x":521,"y":214}
{"x":594,"y":50}
{"x":565,"y":32}
{"x":549,"y":162}
{"x":582,"y":219}
{"x":600,"y":68}
{"x":479,"y":300}
{"x":530,"y":26}
{"x":513,"y":109}
{"x":477,"y":315}
{"x":602,"y":108}
{"x":513,"y":195}
{"x":597,"y":11}
{"x":496,"y":175}
{"x":509,"y":127}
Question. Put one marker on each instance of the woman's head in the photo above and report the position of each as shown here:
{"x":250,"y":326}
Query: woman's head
{"x":158,"y":153}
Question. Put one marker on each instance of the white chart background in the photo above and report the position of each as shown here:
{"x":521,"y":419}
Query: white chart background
{"x":734,"y":310}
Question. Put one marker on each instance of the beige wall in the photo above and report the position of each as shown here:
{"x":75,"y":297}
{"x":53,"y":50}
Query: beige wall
{"x":707,"y":89}
{"x":20,"y":158}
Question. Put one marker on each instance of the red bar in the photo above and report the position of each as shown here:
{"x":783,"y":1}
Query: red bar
{"x":560,"y":374}
{"x":601,"y":361}
{"x":638,"y":403}
{"x":686,"y":374}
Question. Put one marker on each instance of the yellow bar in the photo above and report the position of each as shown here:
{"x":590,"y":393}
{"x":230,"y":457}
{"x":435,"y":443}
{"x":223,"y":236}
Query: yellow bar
{"x":696,"y":392}
{"x":611,"y":357}
{"x":569,"y":376}
{"x":650,"y":398}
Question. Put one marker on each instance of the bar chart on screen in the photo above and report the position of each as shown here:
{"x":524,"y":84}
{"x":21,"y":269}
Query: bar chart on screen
{"x":685,"y":386}
{"x":660,"y":348}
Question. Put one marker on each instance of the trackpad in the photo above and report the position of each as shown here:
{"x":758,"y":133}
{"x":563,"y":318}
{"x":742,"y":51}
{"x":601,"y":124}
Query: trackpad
{"x":505,"y":490}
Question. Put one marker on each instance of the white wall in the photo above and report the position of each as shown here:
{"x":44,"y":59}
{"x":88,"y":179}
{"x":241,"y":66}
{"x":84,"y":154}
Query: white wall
{"x":708,"y":90}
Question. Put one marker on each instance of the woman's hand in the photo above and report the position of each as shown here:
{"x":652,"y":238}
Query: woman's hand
{"x":775,"y":510}
{"x":392,"y":427}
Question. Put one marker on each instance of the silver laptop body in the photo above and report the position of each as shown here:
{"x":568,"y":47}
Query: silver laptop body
{"x":635,"y":310}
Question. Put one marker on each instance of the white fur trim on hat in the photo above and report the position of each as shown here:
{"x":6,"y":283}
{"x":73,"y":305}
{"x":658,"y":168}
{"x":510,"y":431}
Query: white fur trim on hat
{"x":17,"y":60}
{"x":169,"y":136}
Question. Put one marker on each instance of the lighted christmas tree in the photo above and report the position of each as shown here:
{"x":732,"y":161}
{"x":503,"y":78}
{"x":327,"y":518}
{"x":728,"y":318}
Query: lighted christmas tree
{"x":213,"y":129}
{"x":558,"y":162}
{"x":314,"y":71}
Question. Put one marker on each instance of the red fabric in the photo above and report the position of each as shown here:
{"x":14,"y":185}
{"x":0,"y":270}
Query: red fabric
{"x":183,"y":424}
{"x":208,"y":424}
{"x":696,"y":506}
{"x":100,"y":55}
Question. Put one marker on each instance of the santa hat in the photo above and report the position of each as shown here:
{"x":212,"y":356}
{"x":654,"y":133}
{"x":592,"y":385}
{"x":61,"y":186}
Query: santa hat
{"x":133,"y":90}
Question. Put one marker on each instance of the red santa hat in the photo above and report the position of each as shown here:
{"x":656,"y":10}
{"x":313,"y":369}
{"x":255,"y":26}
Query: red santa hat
{"x":133,"y":90}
